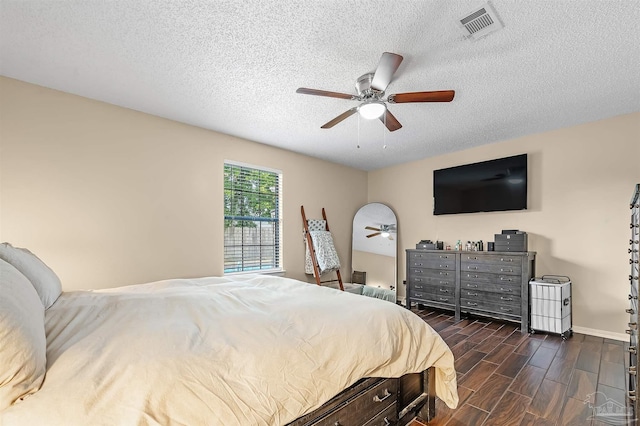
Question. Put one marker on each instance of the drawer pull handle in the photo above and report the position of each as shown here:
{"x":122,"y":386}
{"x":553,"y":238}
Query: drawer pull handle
{"x":505,"y":309}
{"x":472,"y":258}
{"x":419,"y":280}
{"x":444,"y":266}
{"x":386,"y":395}
{"x":418,"y":294}
{"x":506,"y":260}
{"x":471,"y":294}
{"x":417,"y":264}
{"x":444,"y":282}
{"x":506,"y":279}
{"x":443,"y":299}
{"x":506,"y":299}
{"x":475,"y":268}
{"x":444,"y":273}
{"x":471,"y":304}
{"x":505,"y":289}
{"x":444,"y":290}
{"x":472,"y":285}
{"x":506,"y":270}
{"x":444,"y":257}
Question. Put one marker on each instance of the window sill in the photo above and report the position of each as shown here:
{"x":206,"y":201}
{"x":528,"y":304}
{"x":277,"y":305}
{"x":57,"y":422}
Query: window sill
{"x":275,"y":272}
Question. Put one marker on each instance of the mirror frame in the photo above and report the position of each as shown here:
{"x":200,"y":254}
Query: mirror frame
{"x":377,"y":249}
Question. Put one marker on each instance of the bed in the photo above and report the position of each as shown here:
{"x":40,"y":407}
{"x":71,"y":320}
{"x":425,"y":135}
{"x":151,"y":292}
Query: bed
{"x":238,"y":350}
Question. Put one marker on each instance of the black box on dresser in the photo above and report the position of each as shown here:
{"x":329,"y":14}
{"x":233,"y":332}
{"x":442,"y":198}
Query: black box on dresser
{"x":516,"y":242}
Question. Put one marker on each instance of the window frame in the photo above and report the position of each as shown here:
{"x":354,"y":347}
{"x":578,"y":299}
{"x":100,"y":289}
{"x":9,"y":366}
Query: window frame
{"x":277,"y":227}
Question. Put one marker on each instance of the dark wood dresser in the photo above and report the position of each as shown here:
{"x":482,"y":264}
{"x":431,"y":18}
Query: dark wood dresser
{"x":494,"y":284}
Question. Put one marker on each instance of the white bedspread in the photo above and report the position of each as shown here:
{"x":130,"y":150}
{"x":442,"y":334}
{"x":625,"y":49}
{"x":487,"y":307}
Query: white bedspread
{"x":250,"y":350}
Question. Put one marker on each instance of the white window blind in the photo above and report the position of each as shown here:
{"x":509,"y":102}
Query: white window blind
{"x":251,"y":219}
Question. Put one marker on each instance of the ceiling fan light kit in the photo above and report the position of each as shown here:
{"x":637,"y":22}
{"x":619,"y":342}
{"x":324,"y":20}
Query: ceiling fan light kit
{"x":371,"y":88}
{"x":372,"y":109}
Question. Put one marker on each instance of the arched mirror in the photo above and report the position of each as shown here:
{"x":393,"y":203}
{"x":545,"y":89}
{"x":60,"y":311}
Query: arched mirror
{"x":374,"y":247}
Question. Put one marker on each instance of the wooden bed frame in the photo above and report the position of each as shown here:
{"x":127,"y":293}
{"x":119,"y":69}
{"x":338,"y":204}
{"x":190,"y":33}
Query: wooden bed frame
{"x":377,"y":401}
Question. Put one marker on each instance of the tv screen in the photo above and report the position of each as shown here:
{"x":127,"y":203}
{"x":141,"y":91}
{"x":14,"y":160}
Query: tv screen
{"x":488,"y":186}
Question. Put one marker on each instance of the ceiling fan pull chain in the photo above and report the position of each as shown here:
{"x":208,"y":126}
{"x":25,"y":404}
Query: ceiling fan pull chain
{"x":358,"y":146}
{"x":384,"y":134}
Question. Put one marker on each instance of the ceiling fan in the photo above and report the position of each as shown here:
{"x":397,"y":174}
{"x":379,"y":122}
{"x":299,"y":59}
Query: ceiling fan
{"x":371,"y":88}
{"x":384,"y":231}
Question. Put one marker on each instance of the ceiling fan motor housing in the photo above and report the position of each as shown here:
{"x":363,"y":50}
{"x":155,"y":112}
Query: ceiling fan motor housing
{"x":363,"y":87}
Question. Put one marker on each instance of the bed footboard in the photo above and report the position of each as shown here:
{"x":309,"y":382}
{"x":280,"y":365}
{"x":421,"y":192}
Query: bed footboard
{"x":376,"y":401}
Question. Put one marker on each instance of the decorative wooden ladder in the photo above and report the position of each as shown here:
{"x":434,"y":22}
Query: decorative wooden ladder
{"x":314,"y":261}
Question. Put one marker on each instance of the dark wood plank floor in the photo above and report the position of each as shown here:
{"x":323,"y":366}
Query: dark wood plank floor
{"x":507,"y":378}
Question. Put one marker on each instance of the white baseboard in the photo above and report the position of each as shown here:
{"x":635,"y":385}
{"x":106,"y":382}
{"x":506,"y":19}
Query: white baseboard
{"x":601,"y":333}
{"x":576,"y":329}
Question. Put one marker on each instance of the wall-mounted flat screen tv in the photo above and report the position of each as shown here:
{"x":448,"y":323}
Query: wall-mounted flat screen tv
{"x":488,"y":186}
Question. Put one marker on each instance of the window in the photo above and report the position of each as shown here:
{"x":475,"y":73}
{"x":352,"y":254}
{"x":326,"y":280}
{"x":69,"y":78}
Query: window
{"x":251,"y":218}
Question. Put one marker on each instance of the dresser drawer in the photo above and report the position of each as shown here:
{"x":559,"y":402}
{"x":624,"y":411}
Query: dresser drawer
{"x":358,"y":410}
{"x":441,"y":290}
{"x":476,"y":295}
{"x":483,"y":277}
{"x":418,"y":255}
{"x":443,"y":274}
{"x":422,"y":283}
{"x":449,"y":264}
{"x":510,"y":269}
{"x":467,"y":305}
{"x":430,"y":296}
{"x":497,"y":259}
{"x":506,"y":287}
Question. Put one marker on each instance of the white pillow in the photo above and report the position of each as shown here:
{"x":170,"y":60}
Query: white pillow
{"x":23,"y":347}
{"x":43,"y":279}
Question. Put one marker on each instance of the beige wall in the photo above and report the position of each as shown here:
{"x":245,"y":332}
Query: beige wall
{"x":580,"y":184}
{"x":109,"y":196}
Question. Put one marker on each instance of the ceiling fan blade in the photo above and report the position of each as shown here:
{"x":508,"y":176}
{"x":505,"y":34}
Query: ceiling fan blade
{"x":339,"y":118}
{"x":436,"y":96}
{"x":390,"y":121}
{"x":373,"y":235}
{"x":306,"y":91}
{"x":389,"y":63}
{"x":372,"y":228}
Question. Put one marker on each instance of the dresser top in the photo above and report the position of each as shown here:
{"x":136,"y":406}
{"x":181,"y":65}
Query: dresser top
{"x":513,"y":253}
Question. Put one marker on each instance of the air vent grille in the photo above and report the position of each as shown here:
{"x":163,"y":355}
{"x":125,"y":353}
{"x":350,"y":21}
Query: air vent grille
{"x":480,"y":22}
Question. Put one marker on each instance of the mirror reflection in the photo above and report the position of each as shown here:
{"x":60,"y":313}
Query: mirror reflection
{"x":374,"y":247}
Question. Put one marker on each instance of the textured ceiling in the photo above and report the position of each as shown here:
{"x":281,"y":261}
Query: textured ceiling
{"x":233,"y":66}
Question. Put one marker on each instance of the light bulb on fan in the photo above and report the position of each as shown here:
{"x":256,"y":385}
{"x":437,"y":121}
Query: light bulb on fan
{"x":372,"y":110}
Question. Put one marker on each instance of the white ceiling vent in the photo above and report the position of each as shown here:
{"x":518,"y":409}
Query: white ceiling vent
{"x":480,"y":22}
